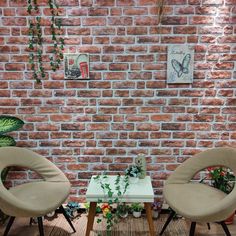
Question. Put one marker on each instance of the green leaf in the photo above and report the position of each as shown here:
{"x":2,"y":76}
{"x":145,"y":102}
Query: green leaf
{"x":10,"y":123}
{"x":6,"y":141}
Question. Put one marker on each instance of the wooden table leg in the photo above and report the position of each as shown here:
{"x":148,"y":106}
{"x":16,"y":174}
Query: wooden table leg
{"x":149,"y":217}
{"x":91,"y":215}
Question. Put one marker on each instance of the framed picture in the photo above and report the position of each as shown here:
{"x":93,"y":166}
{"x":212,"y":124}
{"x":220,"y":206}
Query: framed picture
{"x":180,"y":64}
{"x":76,"y":65}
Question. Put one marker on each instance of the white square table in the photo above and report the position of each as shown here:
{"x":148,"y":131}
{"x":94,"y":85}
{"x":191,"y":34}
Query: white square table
{"x":139,"y":192}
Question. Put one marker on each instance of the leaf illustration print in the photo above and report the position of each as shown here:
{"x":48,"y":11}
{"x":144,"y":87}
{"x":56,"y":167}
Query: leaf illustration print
{"x":183,"y":67}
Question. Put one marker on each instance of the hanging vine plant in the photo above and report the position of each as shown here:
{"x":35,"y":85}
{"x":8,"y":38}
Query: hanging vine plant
{"x":36,"y":39}
{"x":160,"y":10}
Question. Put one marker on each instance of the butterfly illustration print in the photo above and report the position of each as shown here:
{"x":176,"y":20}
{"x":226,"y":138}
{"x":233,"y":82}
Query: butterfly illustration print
{"x":181,"y":68}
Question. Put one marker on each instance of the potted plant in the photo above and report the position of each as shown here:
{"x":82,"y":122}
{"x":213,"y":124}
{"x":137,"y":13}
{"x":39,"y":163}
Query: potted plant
{"x":106,"y":209}
{"x":136,"y":209}
{"x":122,"y":210}
{"x":133,"y":172}
{"x":156,"y":209}
{"x":72,"y":209}
{"x":222,"y":179}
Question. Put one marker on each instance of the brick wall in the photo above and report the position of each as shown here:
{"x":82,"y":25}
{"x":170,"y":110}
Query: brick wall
{"x":126,"y":107}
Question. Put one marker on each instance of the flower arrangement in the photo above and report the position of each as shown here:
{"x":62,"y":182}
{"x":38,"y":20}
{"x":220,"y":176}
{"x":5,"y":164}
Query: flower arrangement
{"x":221,"y":178}
{"x":156,"y":206}
{"x":133,"y":171}
{"x":106,"y":209}
{"x":156,"y":209}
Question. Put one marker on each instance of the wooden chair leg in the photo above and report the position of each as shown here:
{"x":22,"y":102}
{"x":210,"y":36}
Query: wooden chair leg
{"x":9,"y":224}
{"x":40,"y":225}
{"x":225,"y":228}
{"x":67,"y":218}
{"x":192,"y":229}
{"x":171,"y":215}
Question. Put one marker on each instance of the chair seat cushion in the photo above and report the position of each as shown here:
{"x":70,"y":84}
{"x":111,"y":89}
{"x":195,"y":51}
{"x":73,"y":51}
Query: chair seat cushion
{"x":193,"y":200}
{"x":41,"y":197}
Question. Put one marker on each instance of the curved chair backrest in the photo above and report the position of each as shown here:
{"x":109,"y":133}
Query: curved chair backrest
{"x":16,"y":156}
{"x":224,"y":156}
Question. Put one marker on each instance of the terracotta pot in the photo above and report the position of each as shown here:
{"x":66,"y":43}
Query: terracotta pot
{"x":230,"y":219}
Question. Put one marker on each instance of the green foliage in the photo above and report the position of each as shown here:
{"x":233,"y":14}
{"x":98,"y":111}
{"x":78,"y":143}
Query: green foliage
{"x":9,"y":123}
{"x":221,"y":178}
{"x":36,"y":39}
{"x":113,"y":197}
{"x":133,"y":171}
{"x":136,"y":206}
{"x":7,"y":141}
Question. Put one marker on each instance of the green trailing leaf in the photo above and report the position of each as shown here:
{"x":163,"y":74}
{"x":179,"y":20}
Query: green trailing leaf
{"x":10,"y":123}
{"x":6,"y":141}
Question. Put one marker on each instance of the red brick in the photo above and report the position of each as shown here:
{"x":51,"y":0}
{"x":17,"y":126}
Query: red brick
{"x":198,"y":20}
{"x":124,"y":21}
{"x":146,"y":20}
{"x":173,"y":39}
{"x":199,"y":126}
{"x":174,"y":20}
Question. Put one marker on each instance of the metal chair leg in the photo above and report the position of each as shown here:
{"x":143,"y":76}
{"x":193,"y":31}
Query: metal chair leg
{"x":225,"y":228}
{"x":9,"y":224}
{"x":192,"y":229}
{"x":31,"y":221}
{"x":40,"y":225}
{"x":171,"y":215}
{"x":67,"y":218}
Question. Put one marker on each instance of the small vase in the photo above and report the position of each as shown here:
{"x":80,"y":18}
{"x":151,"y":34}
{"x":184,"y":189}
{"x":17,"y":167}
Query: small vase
{"x":133,"y":180}
{"x":155,"y":214}
{"x":136,"y":214}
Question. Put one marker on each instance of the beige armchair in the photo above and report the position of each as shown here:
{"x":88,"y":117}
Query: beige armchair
{"x":33,"y":199}
{"x":196,"y":201}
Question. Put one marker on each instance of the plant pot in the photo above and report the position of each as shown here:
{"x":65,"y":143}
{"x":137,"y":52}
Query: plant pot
{"x":155,"y":214}
{"x":123,"y":215}
{"x":133,"y":180}
{"x":230,"y":219}
{"x":136,"y":214}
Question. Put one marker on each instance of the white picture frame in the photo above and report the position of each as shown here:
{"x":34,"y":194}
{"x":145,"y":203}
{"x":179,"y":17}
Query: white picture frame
{"x":76,"y":65}
{"x":180,"y":64}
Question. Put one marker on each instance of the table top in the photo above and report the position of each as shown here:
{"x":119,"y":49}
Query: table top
{"x":138,"y":192}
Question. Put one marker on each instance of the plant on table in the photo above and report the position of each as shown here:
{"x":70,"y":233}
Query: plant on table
{"x":113,"y":197}
{"x":136,"y":208}
{"x":133,"y":172}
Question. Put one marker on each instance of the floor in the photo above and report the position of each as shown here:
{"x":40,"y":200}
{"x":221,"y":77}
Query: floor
{"x":127,"y":227}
